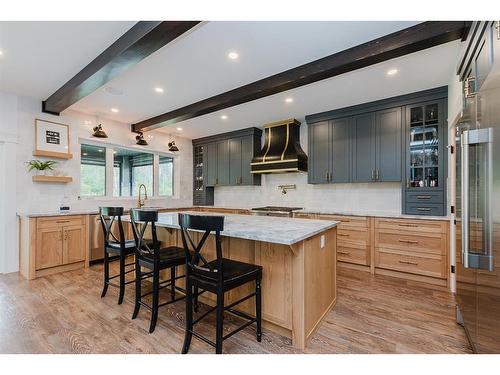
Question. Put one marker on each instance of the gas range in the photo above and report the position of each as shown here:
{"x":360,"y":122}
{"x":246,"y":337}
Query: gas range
{"x":275,"y":211}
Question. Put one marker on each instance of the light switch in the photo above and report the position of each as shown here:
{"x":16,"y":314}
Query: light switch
{"x":322,"y":241}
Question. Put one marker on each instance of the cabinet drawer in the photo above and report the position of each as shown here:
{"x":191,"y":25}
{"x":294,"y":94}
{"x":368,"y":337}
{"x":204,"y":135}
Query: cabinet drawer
{"x":302,"y":215}
{"x":412,"y":225}
{"x":425,"y":197}
{"x":422,"y":264}
{"x":429,"y":243}
{"x":421,"y":208}
{"x":52,"y":221}
{"x":347,"y":221}
{"x":352,"y":255}
{"x":357,"y":237}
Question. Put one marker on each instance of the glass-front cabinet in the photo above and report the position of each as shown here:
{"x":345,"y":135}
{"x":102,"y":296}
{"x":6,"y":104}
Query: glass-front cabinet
{"x":425,"y":153}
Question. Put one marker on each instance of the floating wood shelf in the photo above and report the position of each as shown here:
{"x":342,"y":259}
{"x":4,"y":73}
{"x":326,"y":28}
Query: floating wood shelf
{"x":52,"y":154}
{"x":54,"y":179}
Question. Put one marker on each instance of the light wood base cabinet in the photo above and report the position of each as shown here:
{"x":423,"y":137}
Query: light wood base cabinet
{"x":53,"y":244}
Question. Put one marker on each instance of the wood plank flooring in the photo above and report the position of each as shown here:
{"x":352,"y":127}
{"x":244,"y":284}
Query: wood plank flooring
{"x":374,"y":314}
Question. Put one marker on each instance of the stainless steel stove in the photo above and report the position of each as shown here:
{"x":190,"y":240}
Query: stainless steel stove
{"x":275,"y":211}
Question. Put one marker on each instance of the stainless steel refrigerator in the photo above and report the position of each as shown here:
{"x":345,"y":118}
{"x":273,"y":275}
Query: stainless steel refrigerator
{"x":478,"y":220}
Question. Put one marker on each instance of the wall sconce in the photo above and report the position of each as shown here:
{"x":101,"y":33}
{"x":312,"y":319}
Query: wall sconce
{"x":172,"y":146}
{"x":98,"y":132}
{"x":140,"y":139}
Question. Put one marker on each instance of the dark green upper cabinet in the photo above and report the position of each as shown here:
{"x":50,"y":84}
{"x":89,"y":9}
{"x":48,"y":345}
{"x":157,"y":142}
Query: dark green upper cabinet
{"x":227,"y":158}
{"x":340,"y":168}
{"x":363,"y":147}
{"x":388,"y":145}
{"x":222,"y":163}
{"x":210,"y":164}
{"x":319,"y":152}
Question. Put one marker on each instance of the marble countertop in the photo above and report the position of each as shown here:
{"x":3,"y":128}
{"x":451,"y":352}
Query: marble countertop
{"x":286,"y":231}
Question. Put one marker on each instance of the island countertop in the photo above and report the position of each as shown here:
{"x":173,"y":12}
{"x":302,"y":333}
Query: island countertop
{"x":279,"y":230}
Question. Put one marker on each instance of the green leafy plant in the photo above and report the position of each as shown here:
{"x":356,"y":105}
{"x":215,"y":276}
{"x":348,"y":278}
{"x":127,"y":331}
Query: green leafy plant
{"x":40,"y":165}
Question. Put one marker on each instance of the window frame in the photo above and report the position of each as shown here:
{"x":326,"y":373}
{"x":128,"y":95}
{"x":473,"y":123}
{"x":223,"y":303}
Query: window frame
{"x":109,"y":170}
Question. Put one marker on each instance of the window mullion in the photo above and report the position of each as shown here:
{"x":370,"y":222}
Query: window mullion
{"x":109,"y":171}
{"x":156,"y":175}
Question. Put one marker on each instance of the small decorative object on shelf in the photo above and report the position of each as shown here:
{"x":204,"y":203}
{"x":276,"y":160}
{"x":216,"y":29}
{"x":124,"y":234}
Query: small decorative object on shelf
{"x":42,"y":167}
{"x":98,"y":132}
{"x":51,"y":139}
{"x":172,"y":146}
{"x":140,"y":139}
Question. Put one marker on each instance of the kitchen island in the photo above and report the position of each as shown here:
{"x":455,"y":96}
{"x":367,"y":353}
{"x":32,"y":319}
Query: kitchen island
{"x":298,"y":257}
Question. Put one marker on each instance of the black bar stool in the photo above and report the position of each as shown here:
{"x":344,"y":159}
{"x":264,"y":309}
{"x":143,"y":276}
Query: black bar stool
{"x":119,"y":248}
{"x":218,"y":276}
{"x":155,"y":259}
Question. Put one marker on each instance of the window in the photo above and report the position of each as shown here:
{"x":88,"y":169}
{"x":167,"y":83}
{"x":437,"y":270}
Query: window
{"x":130,"y":170}
{"x":93,"y":171}
{"x":166,"y":176}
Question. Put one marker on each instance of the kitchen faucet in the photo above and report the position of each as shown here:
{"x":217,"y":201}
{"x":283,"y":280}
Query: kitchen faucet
{"x":142,"y":202}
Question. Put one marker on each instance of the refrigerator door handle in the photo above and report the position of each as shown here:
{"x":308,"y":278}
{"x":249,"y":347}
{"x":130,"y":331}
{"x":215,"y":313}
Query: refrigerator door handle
{"x":475,"y":137}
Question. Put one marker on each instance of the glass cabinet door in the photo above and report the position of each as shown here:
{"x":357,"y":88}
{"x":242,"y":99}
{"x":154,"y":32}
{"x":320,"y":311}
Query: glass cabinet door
{"x":424,"y":146}
{"x":198,"y":168}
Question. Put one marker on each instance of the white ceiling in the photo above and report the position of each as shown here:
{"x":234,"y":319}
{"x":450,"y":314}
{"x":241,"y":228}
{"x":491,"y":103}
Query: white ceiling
{"x":195,"y":66}
{"x":39,"y":57}
{"x":418,"y":71}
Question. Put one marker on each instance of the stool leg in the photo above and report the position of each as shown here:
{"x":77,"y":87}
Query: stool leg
{"x":189,"y":317}
{"x":219,"y":323}
{"x":106,"y":274}
{"x":195,"y":299}
{"x":172,"y":282}
{"x":138,"y":281}
{"x":156,"y":292}
{"x":122,"y":278}
{"x":258,"y":308}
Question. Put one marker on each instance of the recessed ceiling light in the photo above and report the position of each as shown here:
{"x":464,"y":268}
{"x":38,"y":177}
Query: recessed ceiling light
{"x":115,"y":91}
{"x":179,"y":129}
{"x":288,"y":100}
{"x":392,"y":72}
{"x":114,"y":110}
{"x":1,"y":53}
{"x":224,"y":117}
{"x":233,"y":55}
{"x":159,"y":90}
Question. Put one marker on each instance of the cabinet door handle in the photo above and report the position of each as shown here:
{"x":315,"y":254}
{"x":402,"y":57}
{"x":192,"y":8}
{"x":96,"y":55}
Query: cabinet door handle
{"x":408,"y":225}
{"x":343,"y":252}
{"x":65,"y":234}
{"x":326,"y":176}
{"x":373,"y":174}
{"x":62,"y":221}
{"x":409,"y":242}
{"x":376,"y":174}
{"x":342,"y":235}
{"x":407,"y":262}
{"x":423,"y":209}
{"x":423,"y":197}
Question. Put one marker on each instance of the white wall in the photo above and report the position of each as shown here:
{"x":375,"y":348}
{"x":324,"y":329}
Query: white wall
{"x":384,"y":198}
{"x":36,"y":197}
{"x":18,"y":194}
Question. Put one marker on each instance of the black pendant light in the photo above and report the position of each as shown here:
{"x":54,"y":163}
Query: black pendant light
{"x":140,"y":139}
{"x":98,"y":132}
{"x":172,"y":146}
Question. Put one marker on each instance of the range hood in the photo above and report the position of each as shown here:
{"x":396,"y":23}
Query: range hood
{"x":281,"y":152}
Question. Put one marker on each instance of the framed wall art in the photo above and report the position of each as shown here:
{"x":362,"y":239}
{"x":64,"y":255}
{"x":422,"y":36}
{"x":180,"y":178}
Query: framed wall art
{"x":51,"y":139}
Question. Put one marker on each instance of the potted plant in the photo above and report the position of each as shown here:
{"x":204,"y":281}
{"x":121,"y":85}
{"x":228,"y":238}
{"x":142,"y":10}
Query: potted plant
{"x":42,"y":167}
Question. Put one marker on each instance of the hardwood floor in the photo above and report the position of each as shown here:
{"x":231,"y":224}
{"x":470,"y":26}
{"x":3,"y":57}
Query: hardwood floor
{"x":63,"y":313}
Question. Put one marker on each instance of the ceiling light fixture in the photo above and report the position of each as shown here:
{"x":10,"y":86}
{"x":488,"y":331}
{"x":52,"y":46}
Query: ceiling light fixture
{"x":1,"y":53}
{"x":233,"y":55}
{"x":392,"y":72}
{"x":289,"y":100}
{"x":114,"y":110}
{"x":224,"y":117}
{"x":179,"y":129}
{"x":159,"y":90}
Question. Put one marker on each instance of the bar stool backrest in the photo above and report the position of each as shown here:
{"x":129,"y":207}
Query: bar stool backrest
{"x":108,"y":216}
{"x":141,"y":219}
{"x":195,"y":261}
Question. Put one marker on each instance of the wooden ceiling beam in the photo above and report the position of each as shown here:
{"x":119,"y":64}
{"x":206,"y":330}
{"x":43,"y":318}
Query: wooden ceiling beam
{"x":399,"y":43}
{"x":140,"y":41}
